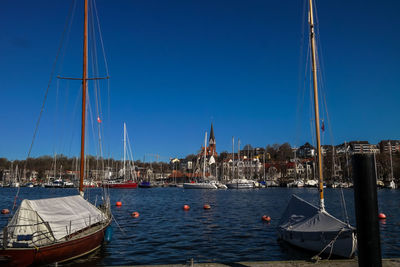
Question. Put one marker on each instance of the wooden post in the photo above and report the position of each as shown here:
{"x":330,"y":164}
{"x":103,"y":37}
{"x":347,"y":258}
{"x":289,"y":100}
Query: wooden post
{"x":366,"y":207}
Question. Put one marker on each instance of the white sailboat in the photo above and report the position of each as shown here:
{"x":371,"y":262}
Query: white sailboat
{"x":204,"y":184}
{"x":239,"y":182}
{"x":392,"y":184}
{"x":305,"y":225}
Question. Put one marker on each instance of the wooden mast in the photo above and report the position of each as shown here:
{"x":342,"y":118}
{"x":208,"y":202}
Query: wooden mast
{"x":315,"y":82}
{"x":84,"y":88}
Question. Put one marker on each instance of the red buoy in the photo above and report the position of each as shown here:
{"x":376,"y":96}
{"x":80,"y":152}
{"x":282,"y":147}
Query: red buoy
{"x":118,"y":204}
{"x":135,"y":214}
{"x":186,"y":207}
{"x":382,"y":216}
{"x":5,"y":211}
{"x":207,"y":207}
{"x":266,"y":218}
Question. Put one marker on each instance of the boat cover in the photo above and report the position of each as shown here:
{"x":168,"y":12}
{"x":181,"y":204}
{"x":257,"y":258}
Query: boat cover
{"x":47,"y":220}
{"x":302,"y":216}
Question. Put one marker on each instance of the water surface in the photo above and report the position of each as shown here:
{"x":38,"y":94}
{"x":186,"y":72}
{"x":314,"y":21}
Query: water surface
{"x":231,"y":231}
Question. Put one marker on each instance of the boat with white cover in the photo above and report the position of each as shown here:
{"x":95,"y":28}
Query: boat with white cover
{"x":303,"y":224}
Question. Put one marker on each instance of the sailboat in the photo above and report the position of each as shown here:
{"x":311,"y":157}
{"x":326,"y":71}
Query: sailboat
{"x":239,"y":182}
{"x":123,"y":182}
{"x":204,"y":184}
{"x":305,"y":225}
{"x":57,"y":229}
{"x":392,"y":184}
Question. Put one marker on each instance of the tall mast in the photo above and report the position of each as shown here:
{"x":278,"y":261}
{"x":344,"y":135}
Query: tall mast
{"x":391,"y":161}
{"x":238,"y":158}
{"x":124,"y":148}
{"x":315,"y":82}
{"x":233,"y":158}
{"x":84,"y":88}
{"x":204,"y":158}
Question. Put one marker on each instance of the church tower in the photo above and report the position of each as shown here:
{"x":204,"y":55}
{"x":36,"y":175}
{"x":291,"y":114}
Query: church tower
{"x":212,"y":145}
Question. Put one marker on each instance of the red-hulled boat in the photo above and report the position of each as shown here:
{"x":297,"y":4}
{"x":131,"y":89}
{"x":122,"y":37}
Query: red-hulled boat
{"x":53,"y":230}
{"x":58,"y":229}
{"x":121,"y":184}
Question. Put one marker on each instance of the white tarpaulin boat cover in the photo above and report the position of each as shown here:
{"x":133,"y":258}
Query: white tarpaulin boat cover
{"x":51,"y":219}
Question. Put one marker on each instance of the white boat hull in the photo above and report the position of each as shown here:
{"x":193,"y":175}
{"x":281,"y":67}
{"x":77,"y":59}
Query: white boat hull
{"x":240,"y":185}
{"x":199,"y":186}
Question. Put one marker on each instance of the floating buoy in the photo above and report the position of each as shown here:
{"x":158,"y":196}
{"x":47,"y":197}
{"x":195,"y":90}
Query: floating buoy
{"x":5,"y":211}
{"x":118,"y":204}
{"x":266,"y":218}
{"x":135,"y":214}
{"x":382,"y":216}
{"x":207,"y":207}
{"x":186,"y":207}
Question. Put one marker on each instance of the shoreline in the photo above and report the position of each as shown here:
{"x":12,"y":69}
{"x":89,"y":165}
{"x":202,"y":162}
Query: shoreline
{"x":342,"y":262}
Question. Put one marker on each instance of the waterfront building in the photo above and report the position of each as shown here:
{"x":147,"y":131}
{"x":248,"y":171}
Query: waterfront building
{"x":362,"y":147}
{"x":386,"y":145}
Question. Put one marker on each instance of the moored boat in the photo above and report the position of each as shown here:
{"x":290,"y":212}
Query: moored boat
{"x":303,"y":224}
{"x":200,"y":185}
{"x":120,"y":184}
{"x":240,"y":184}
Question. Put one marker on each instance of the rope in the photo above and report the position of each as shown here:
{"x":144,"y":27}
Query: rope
{"x":317,"y":257}
{"x":119,"y":227}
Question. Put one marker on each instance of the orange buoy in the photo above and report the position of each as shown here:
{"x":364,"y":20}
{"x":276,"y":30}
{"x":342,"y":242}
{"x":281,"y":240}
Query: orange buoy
{"x":382,"y":216}
{"x":118,"y":204}
{"x":266,"y":218}
{"x":5,"y":211}
{"x":207,"y":207}
{"x":135,"y":214}
{"x":186,"y":207}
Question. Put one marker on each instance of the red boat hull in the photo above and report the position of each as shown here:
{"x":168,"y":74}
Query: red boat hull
{"x":59,"y":252}
{"x":122,"y":185}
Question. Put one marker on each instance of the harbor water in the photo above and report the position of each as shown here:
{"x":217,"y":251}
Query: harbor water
{"x":231,"y":231}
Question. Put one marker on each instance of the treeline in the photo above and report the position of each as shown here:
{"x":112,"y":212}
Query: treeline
{"x":64,"y":163}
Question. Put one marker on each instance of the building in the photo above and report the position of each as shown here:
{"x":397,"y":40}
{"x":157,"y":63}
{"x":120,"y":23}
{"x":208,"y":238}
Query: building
{"x":362,"y":147}
{"x":306,"y":151}
{"x":385,"y":146}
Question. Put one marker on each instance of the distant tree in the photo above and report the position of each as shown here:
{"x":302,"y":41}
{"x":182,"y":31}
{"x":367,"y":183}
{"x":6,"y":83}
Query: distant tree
{"x":285,"y":152}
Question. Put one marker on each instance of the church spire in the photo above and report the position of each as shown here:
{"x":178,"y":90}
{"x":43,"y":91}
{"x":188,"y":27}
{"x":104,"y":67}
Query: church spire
{"x":211,"y":141}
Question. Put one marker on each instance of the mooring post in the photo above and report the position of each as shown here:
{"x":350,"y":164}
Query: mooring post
{"x":366,"y":208}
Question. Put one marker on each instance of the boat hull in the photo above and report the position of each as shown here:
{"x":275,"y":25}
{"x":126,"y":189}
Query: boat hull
{"x":240,"y":185}
{"x":58,"y":252}
{"x":344,"y":246}
{"x":199,"y":186}
{"x":121,"y":185}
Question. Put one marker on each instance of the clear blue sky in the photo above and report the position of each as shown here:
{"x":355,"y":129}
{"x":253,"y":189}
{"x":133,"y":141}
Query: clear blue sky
{"x":177,"y":66}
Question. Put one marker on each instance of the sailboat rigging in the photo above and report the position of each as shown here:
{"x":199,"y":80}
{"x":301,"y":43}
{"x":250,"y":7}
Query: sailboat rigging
{"x":204,"y":184}
{"x":303,"y":224}
{"x":126,"y":180}
{"x":57,"y":229}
